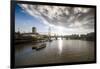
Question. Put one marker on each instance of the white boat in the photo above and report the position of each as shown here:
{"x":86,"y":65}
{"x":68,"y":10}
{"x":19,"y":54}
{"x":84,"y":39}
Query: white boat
{"x":38,"y":47}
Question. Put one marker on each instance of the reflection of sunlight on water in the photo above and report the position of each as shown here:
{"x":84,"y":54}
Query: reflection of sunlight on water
{"x":60,"y":44}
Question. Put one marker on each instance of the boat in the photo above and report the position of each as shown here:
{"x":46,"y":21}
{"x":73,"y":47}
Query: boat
{"x":39,"y":47}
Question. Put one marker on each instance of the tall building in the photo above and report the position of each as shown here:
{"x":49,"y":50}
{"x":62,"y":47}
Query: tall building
{"x":33,"y":29}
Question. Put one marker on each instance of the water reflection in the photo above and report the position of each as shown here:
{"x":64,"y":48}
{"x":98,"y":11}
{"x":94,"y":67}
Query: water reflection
{"x":60,"y":45}
{"x":57,"y":51}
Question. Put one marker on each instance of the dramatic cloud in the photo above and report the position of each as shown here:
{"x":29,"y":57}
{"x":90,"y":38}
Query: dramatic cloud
{"x":65,"y":16}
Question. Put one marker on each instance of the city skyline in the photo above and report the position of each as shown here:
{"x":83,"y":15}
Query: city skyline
{"x":69,"y":20}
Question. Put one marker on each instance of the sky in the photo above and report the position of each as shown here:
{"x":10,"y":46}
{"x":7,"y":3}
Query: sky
{"x":24,"y":22}
{"x":62,"y":20}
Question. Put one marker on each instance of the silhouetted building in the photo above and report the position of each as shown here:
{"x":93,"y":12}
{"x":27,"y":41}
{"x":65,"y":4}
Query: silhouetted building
{"x":33,"y":29}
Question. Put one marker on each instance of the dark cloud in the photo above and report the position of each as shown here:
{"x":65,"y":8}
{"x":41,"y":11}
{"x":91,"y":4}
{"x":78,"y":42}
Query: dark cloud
{"x":68,"y":17}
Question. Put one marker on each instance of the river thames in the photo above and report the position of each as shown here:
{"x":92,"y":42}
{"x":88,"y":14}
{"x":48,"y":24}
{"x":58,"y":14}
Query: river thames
{"x":57,"y":51}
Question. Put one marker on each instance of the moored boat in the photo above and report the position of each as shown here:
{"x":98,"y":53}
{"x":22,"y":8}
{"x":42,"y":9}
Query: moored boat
{"x":38,"y":47}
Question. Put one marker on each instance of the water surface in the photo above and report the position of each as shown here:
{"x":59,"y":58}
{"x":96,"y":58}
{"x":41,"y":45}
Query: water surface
{"x":57,"y":51}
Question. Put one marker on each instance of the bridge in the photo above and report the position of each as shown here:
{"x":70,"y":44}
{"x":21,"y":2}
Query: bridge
{"x":56,"y":37}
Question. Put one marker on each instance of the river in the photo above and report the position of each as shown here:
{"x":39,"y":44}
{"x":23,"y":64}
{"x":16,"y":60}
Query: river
{"x":57,"y":51}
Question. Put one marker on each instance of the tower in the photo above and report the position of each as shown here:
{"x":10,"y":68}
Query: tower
{"x":49,"y":31}
{"x":33,"y":29}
